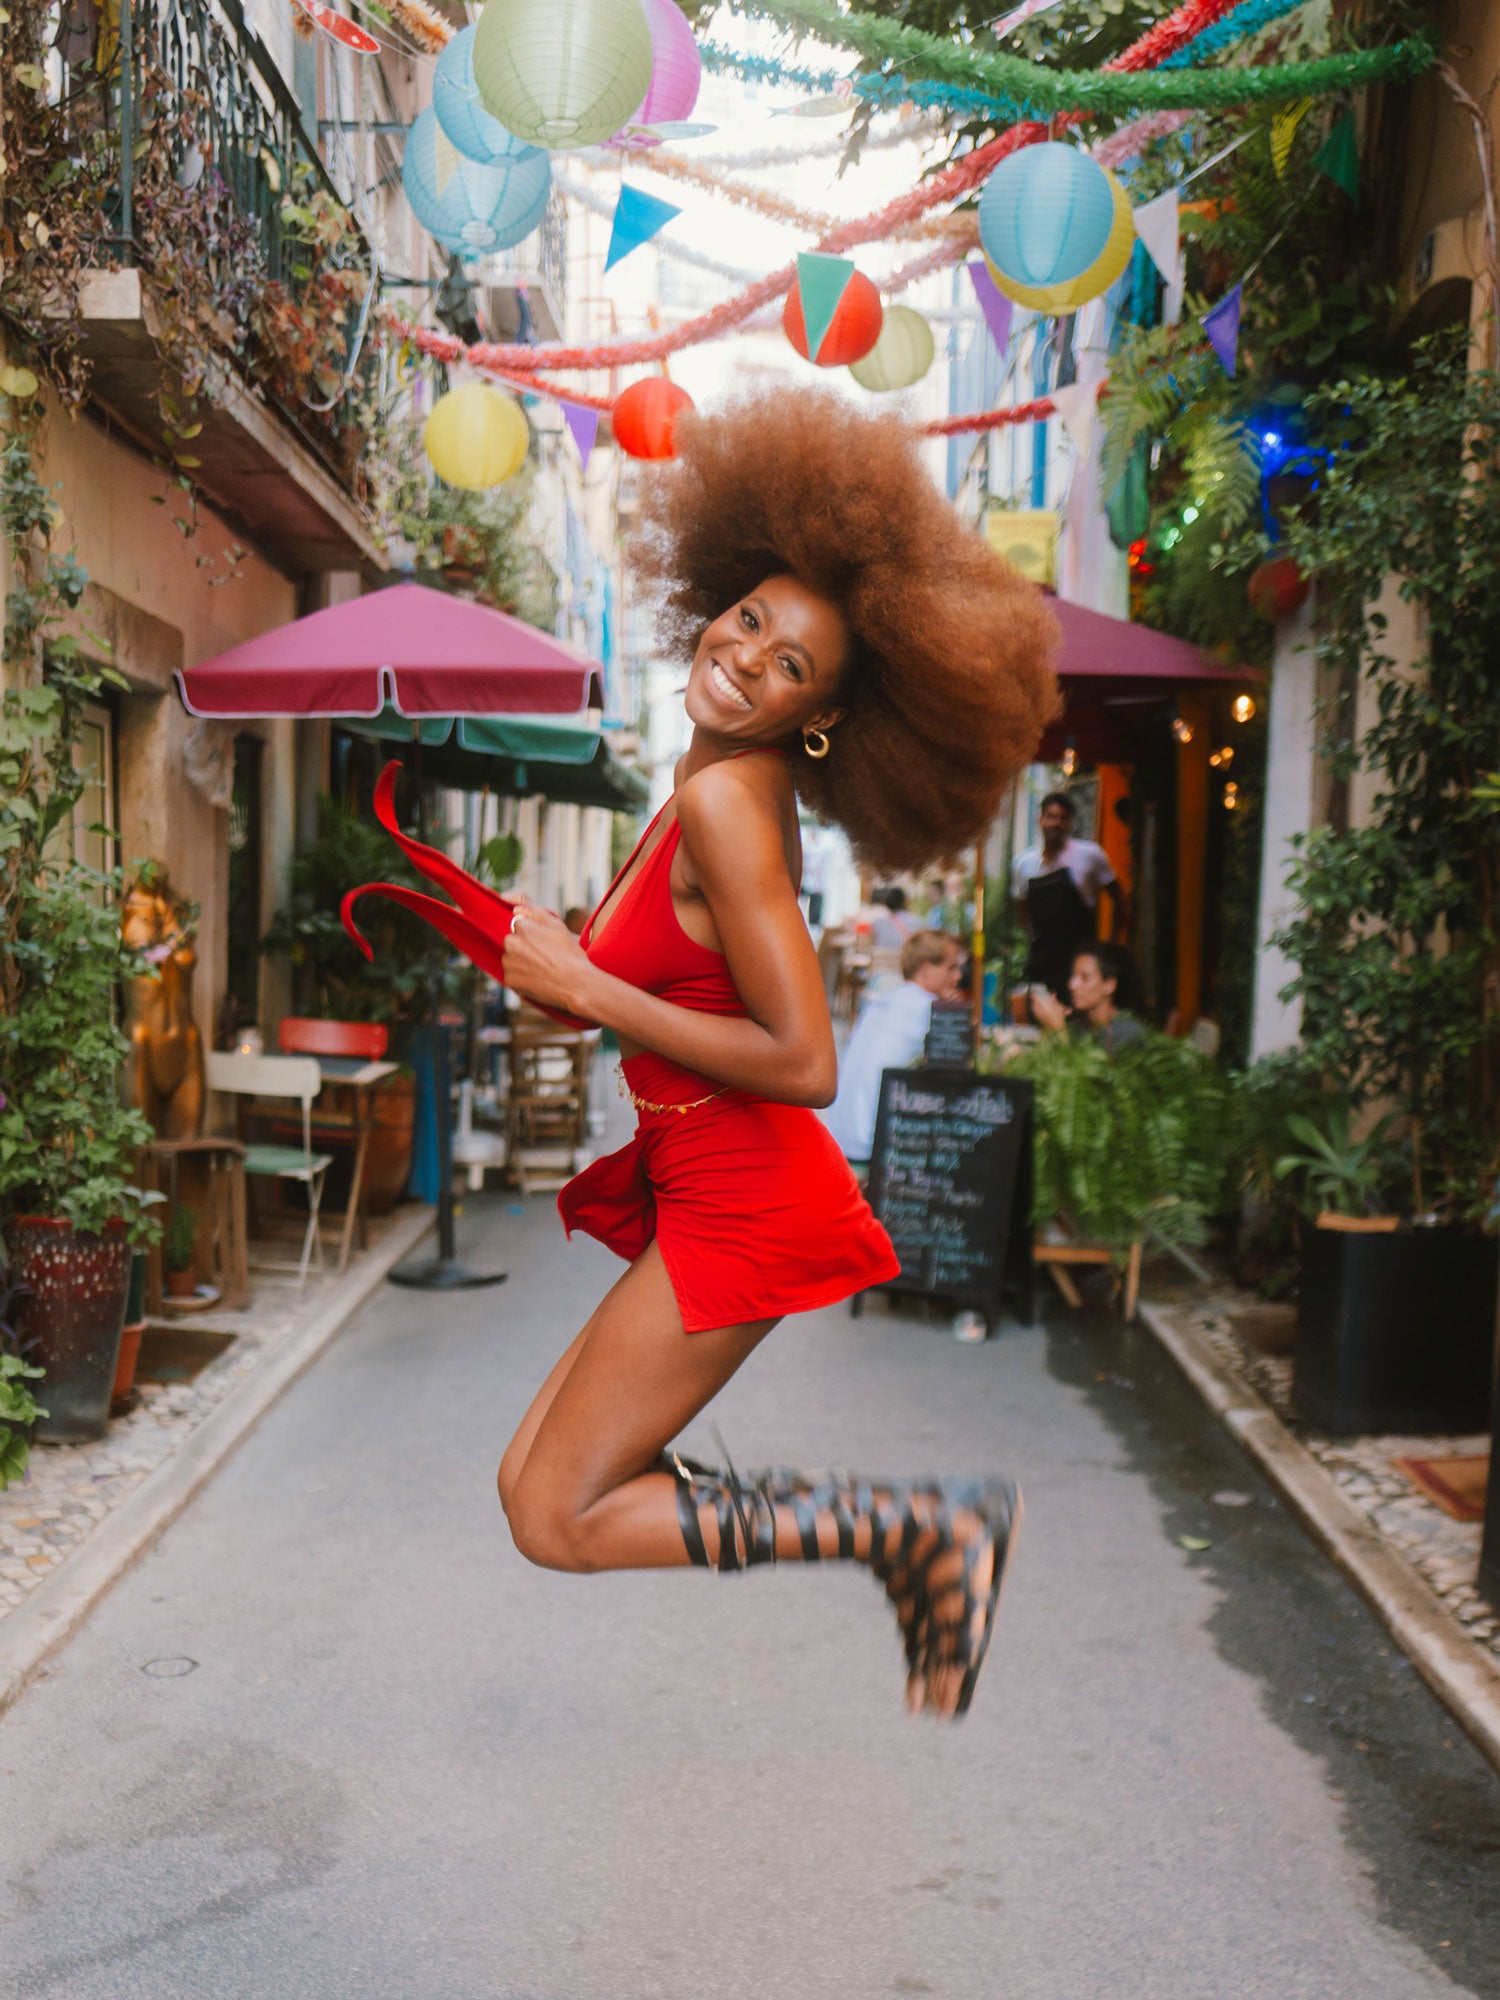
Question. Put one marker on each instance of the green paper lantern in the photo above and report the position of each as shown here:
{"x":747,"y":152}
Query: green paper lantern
{"x":902,"y":355}
{"x":561,"y":73}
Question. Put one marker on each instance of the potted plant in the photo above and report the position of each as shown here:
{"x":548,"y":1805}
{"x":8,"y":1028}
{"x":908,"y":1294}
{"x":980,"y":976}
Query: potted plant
{"x":130,"y":1335}
{"x":19,"y":1408}
{"x":178,"y":1239}
{"x":1396,"y":939}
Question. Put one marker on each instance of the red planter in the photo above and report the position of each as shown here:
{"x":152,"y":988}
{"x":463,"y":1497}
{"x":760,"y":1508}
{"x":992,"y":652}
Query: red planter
{"x":71,"y":1319}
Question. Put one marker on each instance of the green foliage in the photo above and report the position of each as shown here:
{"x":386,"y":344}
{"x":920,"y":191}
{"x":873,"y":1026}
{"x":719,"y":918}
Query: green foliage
{"x":179,"y":1236}
{"x":331,"y":975}
{"x":1335,"y":1170}
{"x":501,"y":859}
{"x":1131,"y":1147}
{"x":1397,"y":935}
{"x":19,"y":1410}
{"x":482,"y":538}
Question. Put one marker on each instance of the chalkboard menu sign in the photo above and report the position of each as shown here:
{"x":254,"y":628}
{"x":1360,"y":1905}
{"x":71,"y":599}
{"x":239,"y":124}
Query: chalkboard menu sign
{"x":950,"y":1038}
{"x":951,"y":1179}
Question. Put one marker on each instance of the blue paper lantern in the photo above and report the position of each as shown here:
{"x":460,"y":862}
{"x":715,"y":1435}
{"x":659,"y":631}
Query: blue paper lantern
{"x":455,"y":99}
{"x":1045,"y":214}
{"x":473,"y":205}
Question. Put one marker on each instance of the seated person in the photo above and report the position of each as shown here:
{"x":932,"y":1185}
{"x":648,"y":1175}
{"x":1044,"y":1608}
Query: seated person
{"x":1098,"y":970}
{"x":889,"y":1035}
{"x":890,"y":925}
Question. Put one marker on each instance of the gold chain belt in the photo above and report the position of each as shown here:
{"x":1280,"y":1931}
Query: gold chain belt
{"x":645,"y":1104}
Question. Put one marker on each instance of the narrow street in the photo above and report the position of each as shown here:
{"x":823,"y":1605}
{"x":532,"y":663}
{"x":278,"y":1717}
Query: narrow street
{"x":405,"y":1765}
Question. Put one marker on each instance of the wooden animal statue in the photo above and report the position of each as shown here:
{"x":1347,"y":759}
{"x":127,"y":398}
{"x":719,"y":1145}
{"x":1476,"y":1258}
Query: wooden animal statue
{"x":164,"y":1069}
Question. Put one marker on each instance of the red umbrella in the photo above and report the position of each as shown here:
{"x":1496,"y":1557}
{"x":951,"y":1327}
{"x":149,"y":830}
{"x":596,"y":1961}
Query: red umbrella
{"x":420,"y":650}
{"x":422,"y":653}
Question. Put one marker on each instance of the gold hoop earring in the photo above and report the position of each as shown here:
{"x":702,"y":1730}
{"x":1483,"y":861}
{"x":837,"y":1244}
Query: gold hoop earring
{"x":821,"y":736}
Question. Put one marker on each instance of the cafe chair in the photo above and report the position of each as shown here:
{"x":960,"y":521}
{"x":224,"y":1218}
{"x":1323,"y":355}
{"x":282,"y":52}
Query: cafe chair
{"x":297,"y":1078}
{"x":343,"y":1115}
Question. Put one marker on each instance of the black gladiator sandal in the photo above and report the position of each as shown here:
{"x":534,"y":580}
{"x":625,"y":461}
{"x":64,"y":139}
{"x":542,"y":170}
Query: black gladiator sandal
{"x":911,"y":1525}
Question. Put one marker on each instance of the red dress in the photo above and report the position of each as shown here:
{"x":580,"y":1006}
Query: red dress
{"x":751,"y":1202}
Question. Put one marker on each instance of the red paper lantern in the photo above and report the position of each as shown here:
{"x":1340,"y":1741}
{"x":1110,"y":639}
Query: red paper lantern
{"x":1277,"y":588}
{"x":853,"y":330}
{"x":645,"y":417}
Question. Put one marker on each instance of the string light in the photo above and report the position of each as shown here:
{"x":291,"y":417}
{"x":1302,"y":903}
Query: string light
{"x":1070,"y":760}
{"x":1231,"y":796}
{"x":1183,"y":731}
{"x":1222,"y":759}
{"x":1243,"y":708}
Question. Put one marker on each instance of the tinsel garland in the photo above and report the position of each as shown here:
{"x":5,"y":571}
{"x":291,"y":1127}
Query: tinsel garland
{"x":601,"y":204}
{"x":1128,"y":140}
{"x":906,"y":132}
{"x":883,"y":92}
{"x":1244,"y":21}
{"x":1112,"y":91}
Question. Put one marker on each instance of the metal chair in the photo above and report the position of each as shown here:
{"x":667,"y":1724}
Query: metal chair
{"x":295,"y":1077}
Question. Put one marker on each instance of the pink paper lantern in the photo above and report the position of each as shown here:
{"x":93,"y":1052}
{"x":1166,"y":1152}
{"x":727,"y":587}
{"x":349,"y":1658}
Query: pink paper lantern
{"x":676,"y":71}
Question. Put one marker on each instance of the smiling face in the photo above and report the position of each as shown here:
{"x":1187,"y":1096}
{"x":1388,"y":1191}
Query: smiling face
{"x":770,"y":666}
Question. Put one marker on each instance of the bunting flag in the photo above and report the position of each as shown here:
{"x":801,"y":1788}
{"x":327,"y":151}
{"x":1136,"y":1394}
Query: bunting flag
{"x":638,"y":216}
{"x":584,"y":427}
{"x":1176,"y":288}
{"x":1338,"y":157}
{"x":1156,"y":225}
{"x":1222,"y":325}
{"x":1284,"y":131}
{"x":1076,"y":405}
{"x":821,"y":283}
{"x":993,"y":303}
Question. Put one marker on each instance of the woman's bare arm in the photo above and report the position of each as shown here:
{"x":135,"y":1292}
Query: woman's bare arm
{"x":782,"y":1047}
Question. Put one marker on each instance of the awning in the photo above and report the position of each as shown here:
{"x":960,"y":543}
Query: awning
{"x":588,"y":773}
{"x":543,"y":739}
{"x":1114,"y":671}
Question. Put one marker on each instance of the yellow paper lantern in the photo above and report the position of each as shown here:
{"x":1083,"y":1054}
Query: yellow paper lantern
{"x":902,"y":355}
{"x":1099,"y":276}
{"x":477,"y":437}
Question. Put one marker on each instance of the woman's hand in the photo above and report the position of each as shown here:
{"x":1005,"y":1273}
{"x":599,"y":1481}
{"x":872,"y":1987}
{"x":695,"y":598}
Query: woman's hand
{"x":1047,"y":1010}
{"x":544,"y":962}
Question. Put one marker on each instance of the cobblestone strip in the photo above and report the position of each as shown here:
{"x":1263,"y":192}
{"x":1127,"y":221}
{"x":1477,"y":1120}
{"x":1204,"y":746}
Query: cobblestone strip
{"x":1343,"y":1506}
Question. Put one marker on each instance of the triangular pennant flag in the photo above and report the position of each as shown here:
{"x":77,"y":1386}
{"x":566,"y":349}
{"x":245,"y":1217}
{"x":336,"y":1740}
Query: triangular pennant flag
{"x":1075,"y":406}
{"x":1284,"y":131}
{"x":584,"y":426}
{"x":1171,"y":298}
{"x":821,"y":283}
{"x":638,"y":216}
{"x":1222,"y":325}
{"x":1338,"y":156}
{"x":1156,"y":226}
{"x":446,"y":157}
{"x":993,"y":303}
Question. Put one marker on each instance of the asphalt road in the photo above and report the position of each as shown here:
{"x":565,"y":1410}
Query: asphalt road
{"x":403,"y":1766}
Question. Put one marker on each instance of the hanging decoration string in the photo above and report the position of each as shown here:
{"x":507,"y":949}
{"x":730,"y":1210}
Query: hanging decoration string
{"x":907,"y":132}
{"x":882,"y":92}
{"x":1131,"y":139}
{"x":1108,"y":91}
{"x":1246,"y":20}
{"x":601,"y":204}
{"x":762,"y":201}
{"x":951,"y":184}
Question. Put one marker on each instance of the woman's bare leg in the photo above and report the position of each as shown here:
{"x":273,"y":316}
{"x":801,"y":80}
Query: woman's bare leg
{"x":581,"y":1492}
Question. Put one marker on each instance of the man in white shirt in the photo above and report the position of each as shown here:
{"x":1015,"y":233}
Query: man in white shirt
{"x":889,"y":1035}
{"x":1057,"y":887}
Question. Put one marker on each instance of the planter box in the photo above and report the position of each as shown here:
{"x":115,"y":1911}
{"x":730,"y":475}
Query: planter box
{"x":70,"y":1324}
{"x":1396,"y":1332}
{"x":1489,"y":1552}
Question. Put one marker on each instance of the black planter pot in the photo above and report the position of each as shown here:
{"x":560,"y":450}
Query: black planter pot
{"x":1396,"y":1332}
{"x":1489,"y":1548}
{"x":71,"y":1320}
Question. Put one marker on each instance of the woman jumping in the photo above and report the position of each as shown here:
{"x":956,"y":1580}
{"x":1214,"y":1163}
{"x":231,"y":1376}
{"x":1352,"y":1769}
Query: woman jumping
{"x":853,"y":646}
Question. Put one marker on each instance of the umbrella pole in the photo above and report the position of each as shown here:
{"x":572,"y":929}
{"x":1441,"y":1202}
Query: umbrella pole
{"x":443,"y":1273}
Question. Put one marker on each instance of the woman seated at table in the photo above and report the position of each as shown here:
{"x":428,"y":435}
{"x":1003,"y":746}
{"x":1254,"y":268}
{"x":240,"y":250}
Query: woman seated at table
{"x":1098,"y":970}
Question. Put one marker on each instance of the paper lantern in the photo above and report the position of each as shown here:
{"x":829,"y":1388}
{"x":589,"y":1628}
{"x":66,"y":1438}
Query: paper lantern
{"x":1045,"y":214}
{"x":645,"y":417}
{"x":676,"y":68}
{"x":476,"y":436}
{"x":469,"y":205}
{"x":902,"y":355}
{"x":1277,"y":588}
{"x":1099,"y":276}
{"x":563,"y":72}
{"x":455,"y":99}
{"x":853,"y":330}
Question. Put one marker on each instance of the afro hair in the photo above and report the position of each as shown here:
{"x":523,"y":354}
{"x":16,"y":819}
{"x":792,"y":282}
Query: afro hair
{"x":949,"y":683}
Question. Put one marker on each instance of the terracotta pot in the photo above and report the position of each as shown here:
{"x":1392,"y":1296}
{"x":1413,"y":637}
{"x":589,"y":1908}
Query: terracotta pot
{"x":388,"y":1160}
{"x":130,"y":1333}
{"x":72,"y":1319}
{"x":1359,"y":1225}
{"x":181,"y":1284}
